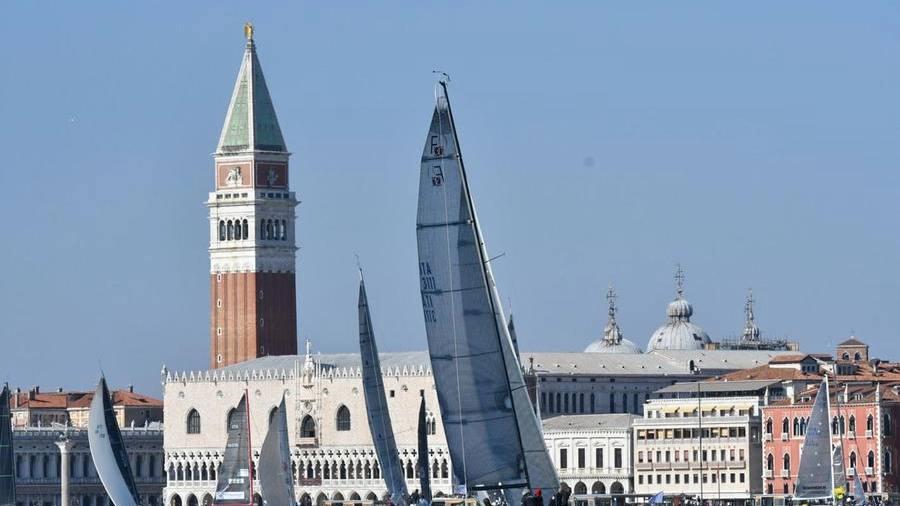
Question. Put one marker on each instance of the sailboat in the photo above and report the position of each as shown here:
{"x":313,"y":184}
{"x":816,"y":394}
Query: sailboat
{"x":108,"y":450}
{"x":422,"y":464}
{"x":492,"y":432}
{"x":377,"y":408}
{"x":816,"y":475}
{"x":7,"y":463}
{"x":235,"y":482}
{"x":276,"y":480}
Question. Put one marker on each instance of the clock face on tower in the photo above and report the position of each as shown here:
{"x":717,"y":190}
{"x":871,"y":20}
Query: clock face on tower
{"x":271,"y":175}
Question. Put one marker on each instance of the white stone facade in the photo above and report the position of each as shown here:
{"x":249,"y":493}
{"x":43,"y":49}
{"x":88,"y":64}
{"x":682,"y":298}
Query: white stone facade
{"x":723,"y":465}
{"x":592,"y":453}
{"x":330,"y":462}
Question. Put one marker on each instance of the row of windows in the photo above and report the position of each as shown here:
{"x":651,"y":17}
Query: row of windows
{"x":307,"y":425}
{"x":693,"y":433}
{"x":868,"y":486}
{"x":581,"y":460}
{"x":575,"y":402}
{"x":870,"y":461}
{"x":693,"y":455}
{"x":80,"y":466}
{"x":707,"y":478}
{"x":239,"y":229}
{"x":838,"y":425}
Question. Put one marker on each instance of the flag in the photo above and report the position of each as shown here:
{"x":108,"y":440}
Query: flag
{"x":657,"y":498}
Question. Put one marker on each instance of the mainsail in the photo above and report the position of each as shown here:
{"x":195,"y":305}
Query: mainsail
{"x":838,"y":471}
{"x":377,"y":408}
{"x":7,"y":474}
{"x":492,"y":431}
{"x":235,"y":486}
{"x":423,"y":464}
{"x":108,"y":450}
{"x":815,"y":478}
{"x":276,"y":481}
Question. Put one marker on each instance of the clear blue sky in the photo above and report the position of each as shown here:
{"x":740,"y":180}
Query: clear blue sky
{"x":755,"y":144}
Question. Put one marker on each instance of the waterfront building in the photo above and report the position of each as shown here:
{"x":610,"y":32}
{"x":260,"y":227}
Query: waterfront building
{"x":865,"y":406}
{"x":702,"y":439}
{"x":50,"y":438}
{"x":592,"y":454}
{"x":333,"y":457}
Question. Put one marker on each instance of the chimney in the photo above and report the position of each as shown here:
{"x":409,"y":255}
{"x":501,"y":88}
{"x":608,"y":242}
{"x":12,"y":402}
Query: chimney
{"x":16,"y":403}
{"x":32,"y":394}
{"x":59,"y":390}
{"x":131,"y":389}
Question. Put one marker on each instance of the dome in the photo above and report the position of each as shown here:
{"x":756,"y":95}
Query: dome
{"x":612,"y":341}
{"x":679,"y":308}
{"x":679,"y":333}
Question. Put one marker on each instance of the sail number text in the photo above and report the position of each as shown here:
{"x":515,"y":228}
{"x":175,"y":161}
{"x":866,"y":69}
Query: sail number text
{"x":428,"y":284}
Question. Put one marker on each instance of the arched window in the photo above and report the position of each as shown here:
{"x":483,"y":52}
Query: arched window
{"x":581,"y":403}
{"x":785,"y":426}
{"x":230,"y":230}
{"x":857,"y":356}
{"x":842,"y":425}
{"x":283,"y":230}
{"x":193,"y":422}
{"x":770,"y":462}
{"x":237,"y":229}
{"x":221,"y":230}
{"x":834,"y":425}
{"x":565,"y":403}
{"x":558,"y":402}
{"x":852,"y":460}
{"x":786,"y":462}
{"x":343,"y":418}
{"x":612,"y":403}
{"x":851,"y":424}
{"x":624,"y":403}
{"x":870,"y":423}
{"x":308,"y":427}
{"x":262,"y":229}
{"x":270,"y":233}
{"x":870,"y":459}
{"x":886,"y":428}
{"x":769,"y":427}
{"x":803,"y":423}
{"x":888,"y":465}
{"x":845,"y":356}
{"x":796,"y":426}
{"x":246,"y":230}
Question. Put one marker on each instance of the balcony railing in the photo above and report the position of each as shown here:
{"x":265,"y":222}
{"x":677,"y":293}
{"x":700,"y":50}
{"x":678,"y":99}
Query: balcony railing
{"x":784,"y":436}
{"x":851,"y":434}
{"x":767,"y":473}
{"x":785,"y":473}
{"x":851,"y":472}
{"x":736,"y":464}
{"x":767,"y":436}
{"x":662,"y":466}
{"x":869,"y":471}
{"x":643,"y":466}
{"x":868,"y":433}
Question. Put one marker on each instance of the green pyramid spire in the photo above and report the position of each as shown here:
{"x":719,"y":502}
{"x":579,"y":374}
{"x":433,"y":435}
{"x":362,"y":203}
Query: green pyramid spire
{"x":251,"y":123}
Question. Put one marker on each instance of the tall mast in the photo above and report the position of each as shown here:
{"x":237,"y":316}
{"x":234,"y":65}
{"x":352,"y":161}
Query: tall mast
{"x":830,"y":432}
{"x":489,"y":281}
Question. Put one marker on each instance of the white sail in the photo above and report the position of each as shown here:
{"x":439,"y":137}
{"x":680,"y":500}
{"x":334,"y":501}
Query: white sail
{"x":815,"y":478}
{"x":859,"y":495}
{"x":276,"y":479}
{"x":108,"y":450}
{"x":492,"y":432}
{"x":376,"y":407}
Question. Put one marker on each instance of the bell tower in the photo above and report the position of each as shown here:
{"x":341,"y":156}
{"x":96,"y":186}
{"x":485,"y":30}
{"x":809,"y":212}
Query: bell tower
{"x":253,"y":301}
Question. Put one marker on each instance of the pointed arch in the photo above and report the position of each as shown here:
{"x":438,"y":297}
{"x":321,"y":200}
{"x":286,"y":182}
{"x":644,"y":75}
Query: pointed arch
{"x":308,"y":427}
{"x":342,"y":418}
{"x":193,"y":422}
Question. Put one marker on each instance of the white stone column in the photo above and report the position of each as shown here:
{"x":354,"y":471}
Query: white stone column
{"x":65,"y":448}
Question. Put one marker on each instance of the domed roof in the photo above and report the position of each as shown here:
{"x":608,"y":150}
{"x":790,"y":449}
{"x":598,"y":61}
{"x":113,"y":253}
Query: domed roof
{"x":612,"y":341}
{"x":679,"y":333}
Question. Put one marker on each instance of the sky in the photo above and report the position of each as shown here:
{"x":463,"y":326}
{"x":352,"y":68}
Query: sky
{"x":605,"y":143}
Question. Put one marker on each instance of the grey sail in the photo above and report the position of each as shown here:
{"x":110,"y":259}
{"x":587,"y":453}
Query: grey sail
{"x":7,"y":474}
{"x":108,"y":450}
{"x":492,"y":431}
{"x":859,"y":495}
{"x":423,"y":464}
{"x":814,"y":478}
{"x":275,"y":471}
{"x":838,"y":471}
{"x":234,"y":486}
{"x":376,"y":407}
